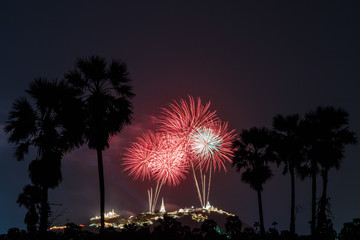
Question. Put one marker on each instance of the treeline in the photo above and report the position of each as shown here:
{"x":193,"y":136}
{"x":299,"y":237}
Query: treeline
{"x":170,"y":228}
{"x":305,"y":147}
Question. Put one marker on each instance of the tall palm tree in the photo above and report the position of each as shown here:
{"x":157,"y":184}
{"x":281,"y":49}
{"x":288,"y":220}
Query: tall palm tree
{"x":287,"y":147}
{"x":45,"y":123}
{"x":106,"y":93}
{"x":250,"y":158}
{"x":330,"y":134}
{"x":310,"y":167}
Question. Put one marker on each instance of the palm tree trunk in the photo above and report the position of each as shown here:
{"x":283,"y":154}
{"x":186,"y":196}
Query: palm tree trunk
{"x":292,"y":214}
{"x":313,"y":202}
{"x":325,"y":182}
{"x":102,"y":187}
{"x":44,"y":212}
{"x":323,"y":201}
{"x":262,"y":228}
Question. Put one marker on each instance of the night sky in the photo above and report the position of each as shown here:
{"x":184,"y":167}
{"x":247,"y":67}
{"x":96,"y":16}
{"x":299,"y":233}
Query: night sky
{"x":252,"y":61}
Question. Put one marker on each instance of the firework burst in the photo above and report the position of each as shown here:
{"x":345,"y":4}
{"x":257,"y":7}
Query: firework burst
{"x":212,"y":146}
{"x":190,"y":136}
{"x":139,"y":158}
{"x":185,"y":117}
{"x":159,"y":156}
{"x":208,"y":143}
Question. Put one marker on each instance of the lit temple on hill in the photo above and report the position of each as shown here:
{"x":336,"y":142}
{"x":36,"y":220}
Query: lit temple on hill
{"x":162,"y":208}
{"x":108,"y":215}
{"x":196,"y":214}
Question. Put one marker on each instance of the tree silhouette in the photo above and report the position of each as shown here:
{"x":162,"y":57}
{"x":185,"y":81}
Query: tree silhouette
{"x":287,"y":146}
{"x":51,"y":123}
{"x":233,"y":226}
{"x":106,"y":93}
{"x":30,"y":198}
{"x":209,"y":229}
{"x":169,"y":228}
{"x":252,"y":155}
{"x":328,"y":133}
{"x":350,"y":230}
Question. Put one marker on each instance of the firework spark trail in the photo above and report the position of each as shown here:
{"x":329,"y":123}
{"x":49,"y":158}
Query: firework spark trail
{"x":149,"y":191}
{"x":157,"y":192}
{"x":211,"y":148}
{"x":196,"y":183}
{"x":209,"y":184}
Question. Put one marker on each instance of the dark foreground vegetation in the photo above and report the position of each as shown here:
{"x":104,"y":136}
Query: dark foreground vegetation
{"x":170,"y":228}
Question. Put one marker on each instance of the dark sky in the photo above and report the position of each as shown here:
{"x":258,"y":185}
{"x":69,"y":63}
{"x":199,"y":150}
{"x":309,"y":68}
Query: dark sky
{"x":252,"y":61}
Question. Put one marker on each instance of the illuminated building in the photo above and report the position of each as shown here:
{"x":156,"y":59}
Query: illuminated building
{"x":192,"y":216}
{"x":162,"y":208}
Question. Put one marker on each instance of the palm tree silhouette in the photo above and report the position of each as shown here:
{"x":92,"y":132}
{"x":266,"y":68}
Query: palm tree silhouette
{"x":287,"y":146}
{"x":30,"y":198}
{"x":106,"y":93}
{"x":252,"y":155}
{"x":45,"y":124}
{"x":328,"y":131}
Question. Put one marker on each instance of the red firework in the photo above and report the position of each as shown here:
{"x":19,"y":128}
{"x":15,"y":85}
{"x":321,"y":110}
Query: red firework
{"x":207,"y":139}
{"x":157,"y":155}
{"x":170,"y":164}
{"x":140,"y":155}
{"x":185,"y":117}
{"x":212,"y":145}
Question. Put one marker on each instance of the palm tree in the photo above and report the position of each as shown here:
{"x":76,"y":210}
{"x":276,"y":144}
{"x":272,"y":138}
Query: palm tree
{"x":30,"y":198}
{"x":330,"y":134}
{"x":251,"y":157}
{"x":45,"y":124}
{"x":310,"y":167}
{"x":287,"y":148}
{"x":106,"y":93}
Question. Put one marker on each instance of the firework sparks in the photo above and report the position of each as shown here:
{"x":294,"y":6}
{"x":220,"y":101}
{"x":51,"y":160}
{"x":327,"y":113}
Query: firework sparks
{"x":170,"y":159}
{"x":212,"y":145}
{"x":184,"y":118}
{"x":208,"y":143}
{"x":139,"y":157}
{"x":159,"y":156}
{"x":190,"y":135}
